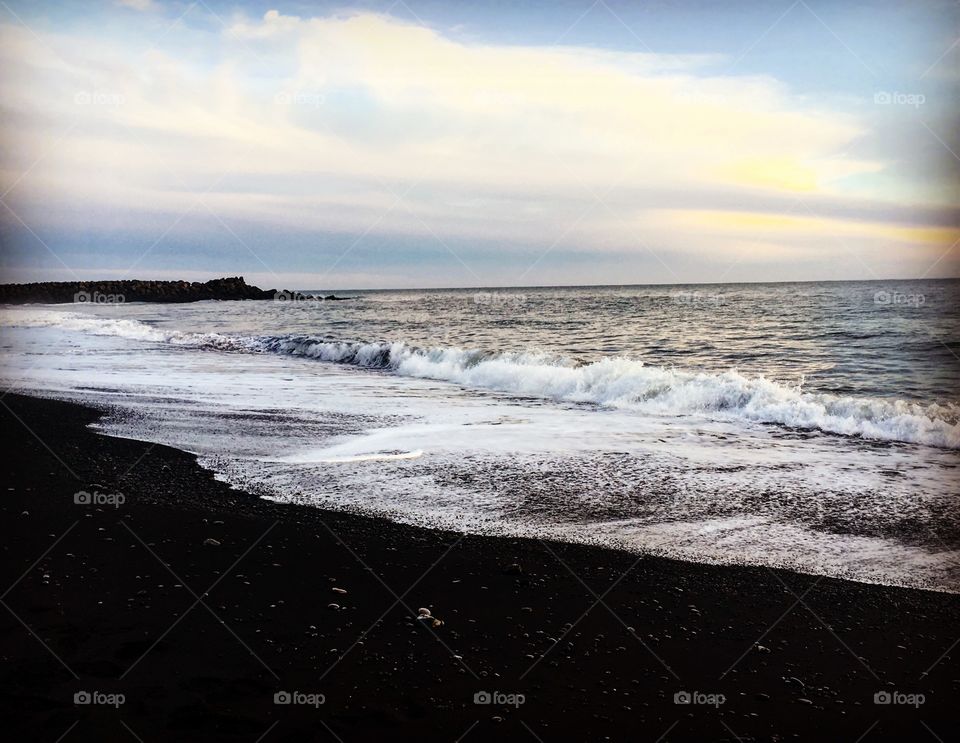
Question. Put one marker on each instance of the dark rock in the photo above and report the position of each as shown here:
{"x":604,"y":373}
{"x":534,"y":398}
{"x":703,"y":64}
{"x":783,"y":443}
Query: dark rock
{"x":133,"y":290}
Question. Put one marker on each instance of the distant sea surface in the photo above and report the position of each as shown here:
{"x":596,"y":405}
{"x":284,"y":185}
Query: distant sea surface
{"x":813,"y":426}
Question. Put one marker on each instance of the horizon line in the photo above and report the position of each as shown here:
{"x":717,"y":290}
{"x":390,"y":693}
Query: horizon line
{"x":488,"y":287}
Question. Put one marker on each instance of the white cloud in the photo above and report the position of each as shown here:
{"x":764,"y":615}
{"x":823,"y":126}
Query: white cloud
{"x":321,"y":123}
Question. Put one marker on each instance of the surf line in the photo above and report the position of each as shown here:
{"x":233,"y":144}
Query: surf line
{"x":371,"y":457}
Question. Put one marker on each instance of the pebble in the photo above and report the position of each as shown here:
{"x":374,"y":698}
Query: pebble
{"x":333,"y":606}
{"x":210,"y":542}
{"x":338,"y":590}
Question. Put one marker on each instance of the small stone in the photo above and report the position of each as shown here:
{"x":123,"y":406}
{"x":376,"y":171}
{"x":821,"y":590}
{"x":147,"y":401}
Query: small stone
{"x":338,"y":590}
{"x":437,"y":623}
{"x":211,"y":542}
{"x":423,"y":612}
{"x":804,"y":700}
{"x":333,"y":606}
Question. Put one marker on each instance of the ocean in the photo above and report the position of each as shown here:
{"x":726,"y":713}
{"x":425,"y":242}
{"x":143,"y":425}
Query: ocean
{"x":811,"y":426}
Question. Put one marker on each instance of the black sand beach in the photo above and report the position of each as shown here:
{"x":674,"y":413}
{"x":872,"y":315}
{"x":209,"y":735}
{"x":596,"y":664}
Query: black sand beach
{"x":199,"y":636}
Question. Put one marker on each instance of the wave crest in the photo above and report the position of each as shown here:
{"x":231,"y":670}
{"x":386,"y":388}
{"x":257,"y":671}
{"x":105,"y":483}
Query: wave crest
{"x":615,"y":382}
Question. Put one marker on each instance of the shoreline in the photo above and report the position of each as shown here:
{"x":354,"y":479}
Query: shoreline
{"x":101,"y":597}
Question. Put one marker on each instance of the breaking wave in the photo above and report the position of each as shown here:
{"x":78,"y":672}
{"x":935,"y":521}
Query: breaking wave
{"x":615,"y":382}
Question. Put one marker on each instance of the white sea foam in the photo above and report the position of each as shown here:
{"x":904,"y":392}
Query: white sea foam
{"x":376,"y":434}
{"x":615,"y":382}
{"x":379,"y":457}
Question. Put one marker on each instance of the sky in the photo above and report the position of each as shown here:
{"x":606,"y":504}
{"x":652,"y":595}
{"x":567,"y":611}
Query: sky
{"x":445,"y":144}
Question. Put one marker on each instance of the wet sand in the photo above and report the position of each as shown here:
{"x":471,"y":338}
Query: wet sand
{"x":199,"y":603}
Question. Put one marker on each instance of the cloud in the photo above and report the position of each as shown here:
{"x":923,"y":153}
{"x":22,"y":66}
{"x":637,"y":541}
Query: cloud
{"x":361,"y":122}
